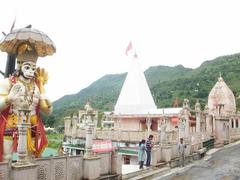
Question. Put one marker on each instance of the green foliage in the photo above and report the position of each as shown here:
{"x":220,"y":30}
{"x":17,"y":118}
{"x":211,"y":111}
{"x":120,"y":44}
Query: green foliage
{"x":54,"y":139}
{"x":166,"y":84}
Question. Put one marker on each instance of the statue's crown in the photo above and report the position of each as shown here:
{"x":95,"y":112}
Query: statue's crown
{"x":26,"y":52}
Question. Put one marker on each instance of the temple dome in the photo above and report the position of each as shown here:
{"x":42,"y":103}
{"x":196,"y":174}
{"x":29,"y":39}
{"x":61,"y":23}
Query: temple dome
{"x":221,"y":94}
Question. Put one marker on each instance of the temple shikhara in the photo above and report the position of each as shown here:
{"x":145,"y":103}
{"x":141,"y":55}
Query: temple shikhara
{"x":136,"y":116}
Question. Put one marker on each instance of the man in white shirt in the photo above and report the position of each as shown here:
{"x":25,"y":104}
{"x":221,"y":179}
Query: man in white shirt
{"x":181,"y":150}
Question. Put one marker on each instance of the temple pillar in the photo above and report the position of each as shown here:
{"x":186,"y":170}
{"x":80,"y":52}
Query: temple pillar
{"x":198,"y":116}
{"x":118,"y":132}
{"x":198,"y":122}
{"x":88,"y":116}
{"x":74,"y":126}
{"x":23,"y":125}
{"x":148,"y":123}
{"x":89,"y":137}
{"x":186,"y":135}
{"x":184,"y":121}
{"x":214,"y":126}
{"x":208,"y":128}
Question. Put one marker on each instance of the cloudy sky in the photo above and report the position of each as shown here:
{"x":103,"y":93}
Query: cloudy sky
{"x":91,"y":36}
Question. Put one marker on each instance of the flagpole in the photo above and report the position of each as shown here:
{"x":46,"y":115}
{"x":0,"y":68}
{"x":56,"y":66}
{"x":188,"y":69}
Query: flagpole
{"x":10,"y":65}
{"x":11,"y":58}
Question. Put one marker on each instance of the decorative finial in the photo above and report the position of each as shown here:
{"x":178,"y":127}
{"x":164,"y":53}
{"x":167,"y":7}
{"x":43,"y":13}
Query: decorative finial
{"x":197,"y":105}
{"x":88,"y":107}
{"x":135,"y":54}
{"x":220,"y":77}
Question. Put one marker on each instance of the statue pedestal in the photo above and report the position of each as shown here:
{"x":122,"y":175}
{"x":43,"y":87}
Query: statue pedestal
{"x":91,"y":167}
{"x":26,"y":172}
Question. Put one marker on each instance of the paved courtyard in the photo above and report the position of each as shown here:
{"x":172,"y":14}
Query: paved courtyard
{"x":224,"y":164}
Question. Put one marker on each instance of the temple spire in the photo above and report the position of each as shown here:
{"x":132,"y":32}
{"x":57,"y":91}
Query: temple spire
{"x":135,"y":96}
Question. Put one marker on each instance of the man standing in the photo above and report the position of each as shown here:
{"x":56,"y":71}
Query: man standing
{"x":149,"y":145}
{"x":181,"y":150}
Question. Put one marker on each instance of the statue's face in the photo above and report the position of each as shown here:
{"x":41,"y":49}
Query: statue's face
{"x":28,"y":69}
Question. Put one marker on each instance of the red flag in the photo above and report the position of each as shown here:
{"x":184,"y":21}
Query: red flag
{"x":129,"y":47}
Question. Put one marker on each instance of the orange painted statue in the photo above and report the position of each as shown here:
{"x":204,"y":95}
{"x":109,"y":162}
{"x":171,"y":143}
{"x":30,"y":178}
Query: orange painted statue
{"x":24,"y":89}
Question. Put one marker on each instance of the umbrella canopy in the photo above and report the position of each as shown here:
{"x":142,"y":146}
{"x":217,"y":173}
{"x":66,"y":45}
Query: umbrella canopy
{"x":40,"y":41}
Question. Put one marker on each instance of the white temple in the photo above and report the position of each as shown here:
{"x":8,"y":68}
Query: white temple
{"x":221,"y":96}
{"x":135,"y":96}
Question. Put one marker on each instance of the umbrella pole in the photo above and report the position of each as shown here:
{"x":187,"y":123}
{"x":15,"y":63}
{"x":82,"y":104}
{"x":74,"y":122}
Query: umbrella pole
{"x":10,"y":65}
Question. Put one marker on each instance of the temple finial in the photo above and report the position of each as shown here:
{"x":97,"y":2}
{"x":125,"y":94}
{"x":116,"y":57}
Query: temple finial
{"x":220,"y":74}
{"x":135,"y":54}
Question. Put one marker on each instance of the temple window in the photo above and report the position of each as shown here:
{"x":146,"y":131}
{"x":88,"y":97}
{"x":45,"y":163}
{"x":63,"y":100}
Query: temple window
{"x":126,"y":159}
{"x":236,"y":123}
{"x":232,"y":123}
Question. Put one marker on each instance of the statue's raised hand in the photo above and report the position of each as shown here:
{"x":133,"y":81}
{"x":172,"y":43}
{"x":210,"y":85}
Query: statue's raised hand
{"x":15,"y":92}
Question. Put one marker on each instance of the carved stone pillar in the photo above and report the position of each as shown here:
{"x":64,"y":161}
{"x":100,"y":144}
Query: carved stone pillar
{"x":214,"y":126}
{"x":148,"y":123}
{"x":89,"y":137}
{"x":208,"y":128}
{"x":186,"y":114}
{"x":119,"y":132}
{"x":88,"y":115}
{"x":198,"y":122}
{"x":23,"y":125}
{"x":163,"y":126}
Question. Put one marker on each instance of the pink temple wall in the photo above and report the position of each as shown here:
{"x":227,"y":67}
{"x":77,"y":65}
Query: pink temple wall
{"x":130,"y":124}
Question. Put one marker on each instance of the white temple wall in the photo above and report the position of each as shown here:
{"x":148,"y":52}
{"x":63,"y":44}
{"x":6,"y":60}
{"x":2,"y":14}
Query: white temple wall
{"x":222,"y":130}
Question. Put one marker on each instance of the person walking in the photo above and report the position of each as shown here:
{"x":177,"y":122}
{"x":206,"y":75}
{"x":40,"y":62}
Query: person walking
{"x":149,"y":145}
{"x":141,"y":153}
{"x":181,"y":150}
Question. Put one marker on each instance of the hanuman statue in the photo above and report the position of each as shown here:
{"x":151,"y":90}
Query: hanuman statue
{"x":23,"y":90}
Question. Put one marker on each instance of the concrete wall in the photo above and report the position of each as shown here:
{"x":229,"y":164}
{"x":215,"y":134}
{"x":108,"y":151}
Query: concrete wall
{"x":4,"y":171}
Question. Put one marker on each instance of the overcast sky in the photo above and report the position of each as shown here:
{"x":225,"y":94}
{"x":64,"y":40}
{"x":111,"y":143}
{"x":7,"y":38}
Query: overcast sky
{"x":91,"y":36}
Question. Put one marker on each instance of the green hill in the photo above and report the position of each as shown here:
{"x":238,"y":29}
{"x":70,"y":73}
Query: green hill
{"x":166,"y":84}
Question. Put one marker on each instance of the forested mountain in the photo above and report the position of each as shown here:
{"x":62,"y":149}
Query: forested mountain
{"x":166,"y":84}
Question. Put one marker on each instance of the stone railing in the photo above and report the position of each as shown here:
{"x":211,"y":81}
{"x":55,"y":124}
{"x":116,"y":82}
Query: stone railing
{"x":4,"y":171}
{"x":128,"y":136}
{"x":63,"y":168}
